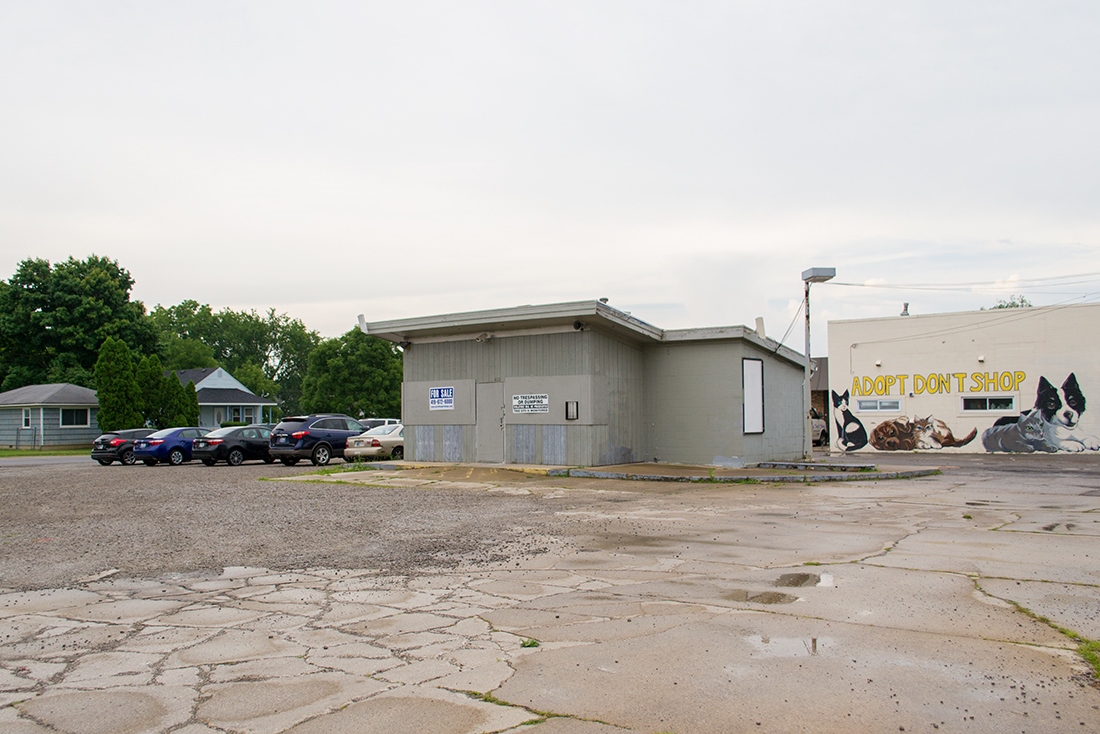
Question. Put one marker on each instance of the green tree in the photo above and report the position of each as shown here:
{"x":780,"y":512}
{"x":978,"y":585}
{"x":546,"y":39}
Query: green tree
{"x":276,"y":343}
{"x":355,"y":374}
{"x":53,"y":320}
{"x":1013,"y":302}
{"x":156,"y":406}
{"x":116,"y":387}
{"x":253,"y":377}
{"x":186,"y":354}
{"x":186,"y":402}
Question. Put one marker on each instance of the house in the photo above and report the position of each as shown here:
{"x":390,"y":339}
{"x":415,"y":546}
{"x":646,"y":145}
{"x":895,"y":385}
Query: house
{"x":964,"y":381}
{"x":56,"y":415}
{"x":222,"y":398}
{"x":585,"y":384}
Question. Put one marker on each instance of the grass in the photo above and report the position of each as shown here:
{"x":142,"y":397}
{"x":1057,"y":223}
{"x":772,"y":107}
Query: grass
{"x":14,"y":453}
{"x":342,"y":468}
{"x":1088,"y":649}
{"x":529,"y":642}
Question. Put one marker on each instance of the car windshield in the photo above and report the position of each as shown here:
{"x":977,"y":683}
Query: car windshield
{"x":220,"y":432}
{"x":381,"y":431}
{"x":163,"y":434}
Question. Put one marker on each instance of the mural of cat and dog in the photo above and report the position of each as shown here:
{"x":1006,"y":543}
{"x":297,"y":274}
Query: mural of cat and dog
{"x":1052,"y":425}
{"x":898,"y":434}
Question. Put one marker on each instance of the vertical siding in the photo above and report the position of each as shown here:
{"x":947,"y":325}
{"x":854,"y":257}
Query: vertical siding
{"x":543,"y":355}
{"x":694,"y":404}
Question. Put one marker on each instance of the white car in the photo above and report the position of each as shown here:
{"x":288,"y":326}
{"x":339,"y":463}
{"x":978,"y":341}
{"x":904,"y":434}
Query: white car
{"x":380,"y":442}
{"x":819,"y":429}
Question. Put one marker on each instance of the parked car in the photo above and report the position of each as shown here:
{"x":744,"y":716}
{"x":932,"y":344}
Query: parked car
{"x":233,"y":445}
{"x":380,"y":442}
{"x":369,"y":423}
{"x":819,"y":429}
{"x":317,"y":437}
{"x":118,"y":446}
{"x":171,"y":446}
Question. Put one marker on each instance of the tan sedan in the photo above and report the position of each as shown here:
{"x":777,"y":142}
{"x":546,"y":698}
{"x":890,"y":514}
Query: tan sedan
{"x":381,"y":442}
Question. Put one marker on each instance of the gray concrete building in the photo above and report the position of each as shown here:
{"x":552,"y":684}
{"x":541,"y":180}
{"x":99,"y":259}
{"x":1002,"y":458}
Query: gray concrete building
{"x":584,"y":384}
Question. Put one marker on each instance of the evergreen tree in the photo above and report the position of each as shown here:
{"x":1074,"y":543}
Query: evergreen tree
{"x":189,"y":413}
{"x":156,"y":406}
{"x":117,"y":388}
{"x":175,"y":399}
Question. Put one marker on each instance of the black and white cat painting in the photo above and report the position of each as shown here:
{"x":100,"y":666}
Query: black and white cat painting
{"x":850,"y":433}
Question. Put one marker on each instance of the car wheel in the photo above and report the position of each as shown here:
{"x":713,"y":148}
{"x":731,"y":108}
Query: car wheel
{"x":175,"y":457}
{"x":235,"y":458}
{"x":150,"y":462}
{"x":209,"y":462}
{"x":321,"y":455}
{"x":104,"y":462}
{"x":289,"y":461}
{"x":398,"y":453}
{"x":126,"y":458}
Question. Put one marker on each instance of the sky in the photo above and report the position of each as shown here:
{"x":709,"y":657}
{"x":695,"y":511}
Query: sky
{"x":686,"y":160}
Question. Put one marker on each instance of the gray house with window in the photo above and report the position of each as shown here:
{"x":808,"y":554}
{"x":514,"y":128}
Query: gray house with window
{"x":43,"y":416}
{"x":223,"y":398}
{"x":585,"y":384}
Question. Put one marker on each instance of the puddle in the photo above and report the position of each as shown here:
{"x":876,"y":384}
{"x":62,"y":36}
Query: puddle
{"x":798,"y":579}
{"x":787,"y":647}
{"x":758,"y":597}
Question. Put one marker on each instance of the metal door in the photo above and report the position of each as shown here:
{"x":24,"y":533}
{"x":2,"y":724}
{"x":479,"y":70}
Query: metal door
{"x":490,"y":422}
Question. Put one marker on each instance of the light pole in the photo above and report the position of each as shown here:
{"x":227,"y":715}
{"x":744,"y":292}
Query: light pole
{"x":813,"y":275}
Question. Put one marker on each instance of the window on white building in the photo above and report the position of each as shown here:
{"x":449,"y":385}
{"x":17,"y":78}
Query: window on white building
{"x":880,"y":406}
{"x":987,"y":403}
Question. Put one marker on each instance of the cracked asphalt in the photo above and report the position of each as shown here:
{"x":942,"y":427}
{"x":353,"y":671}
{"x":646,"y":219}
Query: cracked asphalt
{"x":263,"y":599}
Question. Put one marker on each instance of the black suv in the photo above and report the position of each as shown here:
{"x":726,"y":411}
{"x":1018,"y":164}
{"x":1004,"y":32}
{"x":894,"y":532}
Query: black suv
{"x":118,"y":446}
{"x":316,"y":437}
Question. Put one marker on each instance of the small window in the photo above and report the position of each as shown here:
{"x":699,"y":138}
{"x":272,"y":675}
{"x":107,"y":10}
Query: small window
{"x":236,"y":415}
{"x":74,"y":417}
{"x":248,"y":415}
{"x":26,"y":417}
{"x":880,"y":406}
{"x":996,"y":403}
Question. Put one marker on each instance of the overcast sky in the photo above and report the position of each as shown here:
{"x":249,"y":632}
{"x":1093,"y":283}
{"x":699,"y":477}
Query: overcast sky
{"x":686,"y":160}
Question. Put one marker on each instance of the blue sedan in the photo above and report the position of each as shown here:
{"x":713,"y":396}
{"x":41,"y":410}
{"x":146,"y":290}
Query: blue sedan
{"x":172,"y":446}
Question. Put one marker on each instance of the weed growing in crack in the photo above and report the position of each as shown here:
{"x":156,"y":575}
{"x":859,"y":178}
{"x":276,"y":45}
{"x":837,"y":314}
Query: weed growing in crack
{"x":529,"y":642}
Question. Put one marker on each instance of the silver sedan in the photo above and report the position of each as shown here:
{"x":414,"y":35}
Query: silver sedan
{"x":381,"y":442}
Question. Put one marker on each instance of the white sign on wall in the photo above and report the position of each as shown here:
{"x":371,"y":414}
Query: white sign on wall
{"x":441,"y":398}
{"x":531,"y":403}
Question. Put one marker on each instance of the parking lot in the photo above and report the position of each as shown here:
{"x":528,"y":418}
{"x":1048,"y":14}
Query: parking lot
{"x":268,"y":598}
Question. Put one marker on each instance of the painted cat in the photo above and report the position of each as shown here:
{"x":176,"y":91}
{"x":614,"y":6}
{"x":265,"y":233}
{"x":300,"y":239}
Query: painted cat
{"x":905,"y":434}
{"x":1023,"y":436}
{"x":940,"y":436}
{"x":850,"y":433}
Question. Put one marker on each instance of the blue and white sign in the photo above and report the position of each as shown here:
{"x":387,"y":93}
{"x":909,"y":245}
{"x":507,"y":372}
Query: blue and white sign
{"x":441,"y":398}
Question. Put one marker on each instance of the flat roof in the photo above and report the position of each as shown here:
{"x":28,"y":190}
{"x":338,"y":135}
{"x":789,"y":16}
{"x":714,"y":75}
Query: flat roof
{"x":547,"y":318}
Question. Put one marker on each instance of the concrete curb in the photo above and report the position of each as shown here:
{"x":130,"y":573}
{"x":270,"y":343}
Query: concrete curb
{"x":832,"y":475}
{"x":745,"y":478}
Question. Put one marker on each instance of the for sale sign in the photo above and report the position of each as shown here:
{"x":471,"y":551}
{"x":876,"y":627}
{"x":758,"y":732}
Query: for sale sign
{"x":531,"y":403}
{"x":441,"y":398}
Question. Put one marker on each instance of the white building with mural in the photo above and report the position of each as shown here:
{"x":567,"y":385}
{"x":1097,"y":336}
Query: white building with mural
{"x":1003,"y":380}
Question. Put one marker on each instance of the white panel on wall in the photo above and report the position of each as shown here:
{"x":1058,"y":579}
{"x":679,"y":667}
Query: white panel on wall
{"x":752,"y":387}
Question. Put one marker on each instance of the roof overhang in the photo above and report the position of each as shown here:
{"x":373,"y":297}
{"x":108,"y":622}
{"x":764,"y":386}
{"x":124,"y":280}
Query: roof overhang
{"x":557,"y":318}
{"x":518,"y":321}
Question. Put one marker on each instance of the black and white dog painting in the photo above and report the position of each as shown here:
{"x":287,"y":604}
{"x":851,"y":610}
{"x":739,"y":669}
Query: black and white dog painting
{"x":1061,"y":409}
